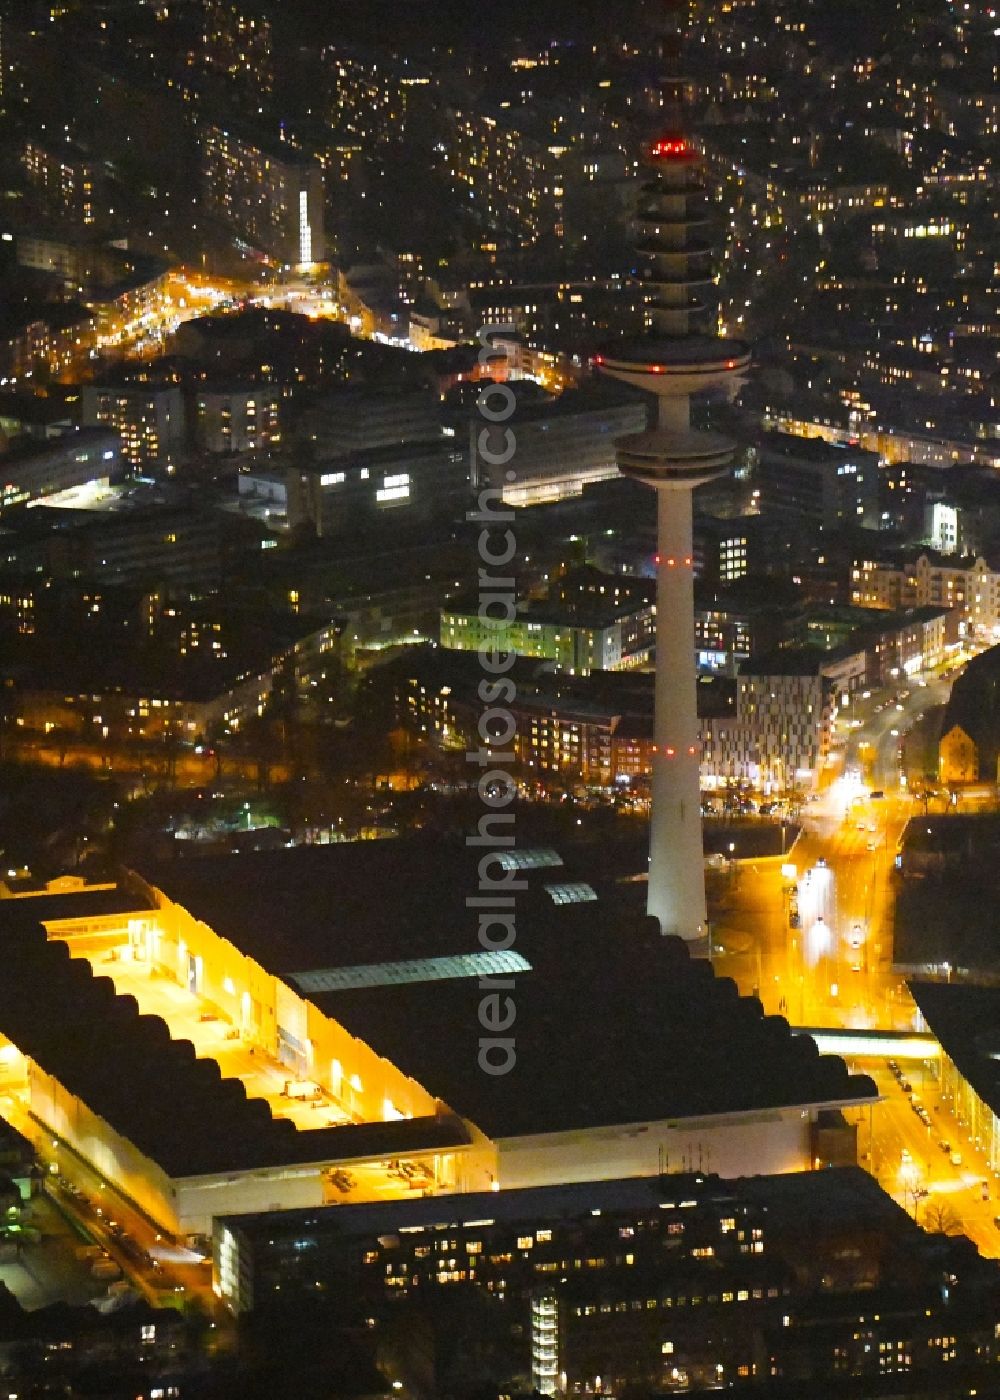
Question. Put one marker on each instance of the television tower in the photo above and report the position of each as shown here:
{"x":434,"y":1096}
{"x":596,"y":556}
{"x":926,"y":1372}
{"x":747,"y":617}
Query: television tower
{"x":678,"y":356}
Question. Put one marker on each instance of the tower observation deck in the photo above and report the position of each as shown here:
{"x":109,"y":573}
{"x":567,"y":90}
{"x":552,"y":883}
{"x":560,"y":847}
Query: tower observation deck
{"x":677,"y":358}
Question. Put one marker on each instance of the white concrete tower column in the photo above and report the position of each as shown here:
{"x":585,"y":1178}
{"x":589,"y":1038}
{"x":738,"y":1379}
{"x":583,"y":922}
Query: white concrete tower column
{"x":676,"y":864}
{"x":677,"y":358}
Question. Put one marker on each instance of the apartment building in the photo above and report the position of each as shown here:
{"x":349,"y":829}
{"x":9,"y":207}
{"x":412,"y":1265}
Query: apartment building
{"x":970,"y":586}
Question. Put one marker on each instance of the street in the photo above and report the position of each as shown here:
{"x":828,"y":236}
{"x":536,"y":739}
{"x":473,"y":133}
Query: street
{"x":812,"y":936}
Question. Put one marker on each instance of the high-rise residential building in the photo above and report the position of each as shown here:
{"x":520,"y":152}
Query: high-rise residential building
{"x":273,"y":198}
{"x":676,"y":358}
{"x":237,"y":43}
{"x":149,"y":419}
{"x":509,"y":176}
{"x":371,"y":96}
{"x":69,"y":181}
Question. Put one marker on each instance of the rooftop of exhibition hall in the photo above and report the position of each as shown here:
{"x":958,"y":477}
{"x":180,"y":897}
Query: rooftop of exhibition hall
{"x":615,"y":1024}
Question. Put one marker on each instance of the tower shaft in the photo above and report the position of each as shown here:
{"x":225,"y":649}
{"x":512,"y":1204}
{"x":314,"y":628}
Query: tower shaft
{"x":676,"y":895}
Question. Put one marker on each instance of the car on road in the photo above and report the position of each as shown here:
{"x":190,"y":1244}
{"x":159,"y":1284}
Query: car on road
{"x":945,"y":1148}
{"x":956,"y":1159}
{"x":870,"y":845}
{"x":877,"y":795}
{"x":872,"y":826}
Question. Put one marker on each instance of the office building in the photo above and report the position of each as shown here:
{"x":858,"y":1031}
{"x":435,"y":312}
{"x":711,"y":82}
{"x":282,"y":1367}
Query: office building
{"x":32,"y":471}
{"x":563,"y":445}
{"x":580,"y":634}
{"x":823,"y":483}
{"x":397,"y":483}
{"x":355,"y":420}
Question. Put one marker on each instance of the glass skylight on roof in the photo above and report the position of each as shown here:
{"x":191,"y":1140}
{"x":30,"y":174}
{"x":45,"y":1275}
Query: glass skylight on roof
{"x":571,"y":894}
{"x":390,"y":974}
{"x":530,"y":859}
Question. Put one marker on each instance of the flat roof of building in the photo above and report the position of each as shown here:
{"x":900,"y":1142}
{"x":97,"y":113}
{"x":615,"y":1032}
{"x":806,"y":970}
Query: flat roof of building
{"x":787,"y":661}
{"x":601,"y":694}
{"x":810,"y":449}
{"x":614,"y":1024}
{"x":840,"y":1194}
{"x":312,"y":909}
{"x":53,"y":907}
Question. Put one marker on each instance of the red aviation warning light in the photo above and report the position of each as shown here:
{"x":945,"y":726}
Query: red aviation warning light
{"x":671,"y":148}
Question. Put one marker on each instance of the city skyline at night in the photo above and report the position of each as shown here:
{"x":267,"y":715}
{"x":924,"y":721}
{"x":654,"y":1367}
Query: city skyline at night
{"x":499,"y":725}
